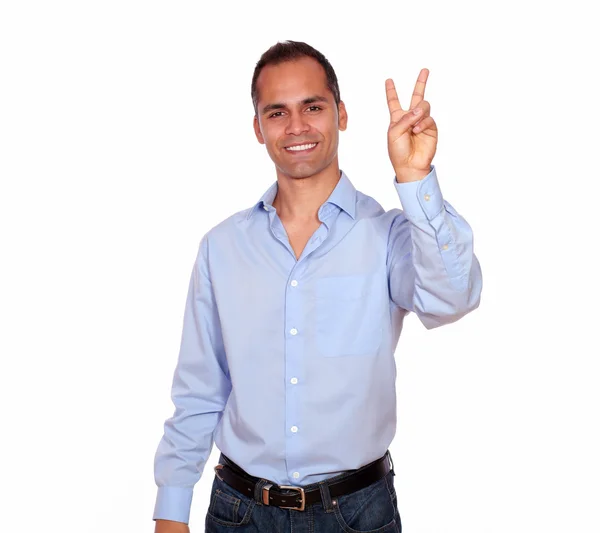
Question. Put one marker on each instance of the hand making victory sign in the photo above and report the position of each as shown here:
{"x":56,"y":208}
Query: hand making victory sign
{"x":412,"y":135}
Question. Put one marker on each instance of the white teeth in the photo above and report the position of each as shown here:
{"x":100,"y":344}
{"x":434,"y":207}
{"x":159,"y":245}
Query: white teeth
{"x":301,"y":147}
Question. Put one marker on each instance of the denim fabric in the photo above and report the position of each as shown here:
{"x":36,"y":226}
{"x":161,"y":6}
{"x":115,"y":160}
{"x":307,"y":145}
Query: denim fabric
{"x":372,"y":509}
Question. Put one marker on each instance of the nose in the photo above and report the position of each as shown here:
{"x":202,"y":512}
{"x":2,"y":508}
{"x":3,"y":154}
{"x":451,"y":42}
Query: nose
{"x":296,"y":124}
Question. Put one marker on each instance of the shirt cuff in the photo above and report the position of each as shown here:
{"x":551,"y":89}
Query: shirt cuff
{"x":173,"y":503}
{"x":421,"y":199}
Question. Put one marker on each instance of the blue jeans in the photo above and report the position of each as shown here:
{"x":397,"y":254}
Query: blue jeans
{"x":372,"y":509}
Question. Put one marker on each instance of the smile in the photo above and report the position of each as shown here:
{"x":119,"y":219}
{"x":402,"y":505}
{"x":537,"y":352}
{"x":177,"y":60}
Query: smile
{"x":301,"y":148}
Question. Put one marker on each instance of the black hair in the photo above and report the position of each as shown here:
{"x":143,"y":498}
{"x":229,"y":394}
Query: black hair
{"x":289,"y":51}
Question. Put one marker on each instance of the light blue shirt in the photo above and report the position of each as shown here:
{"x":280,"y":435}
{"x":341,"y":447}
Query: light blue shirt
{"x":288,"y":365}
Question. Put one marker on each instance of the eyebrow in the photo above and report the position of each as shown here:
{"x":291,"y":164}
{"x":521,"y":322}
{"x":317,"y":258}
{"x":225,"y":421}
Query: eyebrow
{"x":310,"y":100}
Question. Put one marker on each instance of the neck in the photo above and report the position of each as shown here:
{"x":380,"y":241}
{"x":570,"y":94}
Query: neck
{"x":301,"y":198}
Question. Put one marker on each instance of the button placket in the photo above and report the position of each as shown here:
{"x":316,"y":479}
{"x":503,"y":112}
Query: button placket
{"x":294,"y":342}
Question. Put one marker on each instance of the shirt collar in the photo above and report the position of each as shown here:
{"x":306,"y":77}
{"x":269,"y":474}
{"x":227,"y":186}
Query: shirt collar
{"x":344,"y":196}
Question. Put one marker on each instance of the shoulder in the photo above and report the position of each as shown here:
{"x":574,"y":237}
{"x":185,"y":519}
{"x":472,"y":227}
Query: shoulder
{"x":227,"y":230}
{"x":369,"y":209}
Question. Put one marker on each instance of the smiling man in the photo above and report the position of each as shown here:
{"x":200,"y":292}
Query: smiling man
{"x":294,"y":310}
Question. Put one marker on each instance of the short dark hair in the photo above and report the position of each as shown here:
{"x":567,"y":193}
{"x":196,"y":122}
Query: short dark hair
{"x":288,"y":51}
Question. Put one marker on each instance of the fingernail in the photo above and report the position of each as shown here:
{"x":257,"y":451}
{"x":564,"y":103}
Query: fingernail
{"x":417,"y":110}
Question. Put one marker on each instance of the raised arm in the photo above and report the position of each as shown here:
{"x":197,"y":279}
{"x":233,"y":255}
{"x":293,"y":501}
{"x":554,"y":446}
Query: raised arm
{"x":432,"y":267}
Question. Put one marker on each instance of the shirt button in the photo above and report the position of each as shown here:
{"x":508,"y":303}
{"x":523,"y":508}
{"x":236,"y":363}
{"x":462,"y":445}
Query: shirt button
{"x":293,"y":331}
{"x":445,"y":247}
{"x":294,"y":283}
{"x":294,"y":380}
{"x":294,"y":429}
{"x":427,"y":197}
{"x":265,"y":208}
{"x":296,"y":475}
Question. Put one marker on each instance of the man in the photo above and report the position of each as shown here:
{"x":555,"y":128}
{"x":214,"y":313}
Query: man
{"x":293,"y":314}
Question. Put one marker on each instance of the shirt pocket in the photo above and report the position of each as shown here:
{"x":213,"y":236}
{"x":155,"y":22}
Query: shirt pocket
{"x":349,"y":316}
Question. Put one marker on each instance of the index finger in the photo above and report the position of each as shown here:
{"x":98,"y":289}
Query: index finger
{"x":419,"y":92}
{"x":392,"y":96}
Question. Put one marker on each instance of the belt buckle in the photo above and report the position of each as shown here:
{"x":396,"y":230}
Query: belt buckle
{"x":301,"y":492}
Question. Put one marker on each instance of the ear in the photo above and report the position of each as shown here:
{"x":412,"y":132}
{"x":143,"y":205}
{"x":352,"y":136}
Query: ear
{"x":257,"y":131}
{"x":342,"y":116}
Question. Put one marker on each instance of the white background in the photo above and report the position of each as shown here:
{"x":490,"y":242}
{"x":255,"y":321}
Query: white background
{"x":126,"y":133}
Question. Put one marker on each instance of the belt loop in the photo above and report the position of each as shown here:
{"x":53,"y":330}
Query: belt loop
{"x":326,"y":495}
{"x":258,"y":490}
{"x":391,"y":462}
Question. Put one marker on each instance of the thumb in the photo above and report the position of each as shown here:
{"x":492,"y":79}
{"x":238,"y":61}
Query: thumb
{"x":407,"y":121}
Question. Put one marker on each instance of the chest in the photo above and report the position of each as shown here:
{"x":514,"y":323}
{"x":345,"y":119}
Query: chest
{"x":299,"y":235}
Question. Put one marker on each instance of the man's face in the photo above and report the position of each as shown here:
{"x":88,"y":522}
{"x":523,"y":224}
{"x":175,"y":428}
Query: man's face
{"x":295,"y":107}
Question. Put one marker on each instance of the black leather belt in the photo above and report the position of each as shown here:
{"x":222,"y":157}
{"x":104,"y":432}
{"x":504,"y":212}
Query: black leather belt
{"x":288,"y":497}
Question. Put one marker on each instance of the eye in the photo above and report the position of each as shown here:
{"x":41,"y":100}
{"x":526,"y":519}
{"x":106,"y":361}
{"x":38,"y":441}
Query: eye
{"x":315,"y":107}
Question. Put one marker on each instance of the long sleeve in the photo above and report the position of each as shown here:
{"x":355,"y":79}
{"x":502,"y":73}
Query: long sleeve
{"x":431,"y":265}
{"x":201,"y":387}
